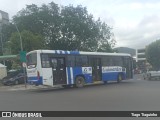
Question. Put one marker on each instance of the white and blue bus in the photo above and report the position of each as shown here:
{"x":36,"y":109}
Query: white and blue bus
{"x":68,"y":68}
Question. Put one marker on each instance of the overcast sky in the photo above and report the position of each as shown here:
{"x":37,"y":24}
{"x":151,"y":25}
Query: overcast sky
{"x":135,"y":23}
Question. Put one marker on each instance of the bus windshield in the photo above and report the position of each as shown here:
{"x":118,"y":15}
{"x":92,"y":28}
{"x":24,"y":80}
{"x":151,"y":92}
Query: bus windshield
{"x":32,"y":60}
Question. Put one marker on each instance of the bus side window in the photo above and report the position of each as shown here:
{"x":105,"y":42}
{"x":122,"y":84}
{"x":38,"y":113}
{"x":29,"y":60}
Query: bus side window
{"x":81,"y":61}
{"x":54,"y":63}
{"x":71,"y":61}
{"x":45,"y":61}
{"x":117,"y":61}
{"x":106,"y":61}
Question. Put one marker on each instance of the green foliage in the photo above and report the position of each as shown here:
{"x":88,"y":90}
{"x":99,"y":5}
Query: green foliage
{"x":7,"y":30}
{"x":29,"y":40}
{"x":106,"y":40}
{"x":65,"y":28}
{"x":16,"y":64}
{"x":153,"y":54}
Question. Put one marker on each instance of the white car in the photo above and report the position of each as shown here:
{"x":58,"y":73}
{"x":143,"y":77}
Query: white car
{"x":151,"y":75}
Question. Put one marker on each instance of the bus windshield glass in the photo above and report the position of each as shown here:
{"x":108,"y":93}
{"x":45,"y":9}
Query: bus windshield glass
{"x":32,"y":60}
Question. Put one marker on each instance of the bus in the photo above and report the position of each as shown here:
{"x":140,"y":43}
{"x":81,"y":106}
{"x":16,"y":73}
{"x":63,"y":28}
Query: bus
{"x":75,"y":68}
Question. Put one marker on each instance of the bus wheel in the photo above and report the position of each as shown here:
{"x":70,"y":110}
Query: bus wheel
{"x":119,"y":78}
{"x":16,"y":82}
{"x":79,"y":82}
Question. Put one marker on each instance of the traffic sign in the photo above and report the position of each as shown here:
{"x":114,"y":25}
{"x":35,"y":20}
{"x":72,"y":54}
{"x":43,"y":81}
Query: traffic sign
{"x":23,"y":56}
{"x":24,"y":64}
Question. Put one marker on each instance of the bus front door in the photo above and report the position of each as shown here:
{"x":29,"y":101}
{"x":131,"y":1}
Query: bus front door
{"x":96,"y":69}
{"x":58,"y":70}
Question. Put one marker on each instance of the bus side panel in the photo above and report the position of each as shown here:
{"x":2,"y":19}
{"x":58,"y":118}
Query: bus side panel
{"x":111,"y":73}
{"x":47,"y":76}
{"x":33,"y":78}
{"x":73,"y":72}
{"x":112,"y":76}
{"x":109,"y":76}
{"x":32,"y":73}
{"x":85,"y":71}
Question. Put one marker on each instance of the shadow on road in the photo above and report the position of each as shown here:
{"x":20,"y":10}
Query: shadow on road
{"x":89,"y":87}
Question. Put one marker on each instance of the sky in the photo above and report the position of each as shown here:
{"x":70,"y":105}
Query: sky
{"x":135,"y":23}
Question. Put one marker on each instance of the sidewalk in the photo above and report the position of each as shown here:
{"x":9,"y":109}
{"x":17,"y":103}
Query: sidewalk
{"x":19,"y":87}
{"x":22,"y":87}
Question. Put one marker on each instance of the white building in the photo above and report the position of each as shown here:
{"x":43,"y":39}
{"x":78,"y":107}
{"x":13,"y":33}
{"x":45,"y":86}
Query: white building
{"x":140,"y":55}
{"x":4,"y":17}
{"x":3,"y":71}
{"x":141,"y":59}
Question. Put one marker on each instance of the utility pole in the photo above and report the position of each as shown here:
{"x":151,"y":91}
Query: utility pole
{"x":1,"y":32}
{"x":21,"y":54}
{"x":1,"y":38}
{"x":20,"y":37}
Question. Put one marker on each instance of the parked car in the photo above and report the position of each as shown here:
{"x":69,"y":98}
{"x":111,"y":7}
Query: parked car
{"x":14,"y":78}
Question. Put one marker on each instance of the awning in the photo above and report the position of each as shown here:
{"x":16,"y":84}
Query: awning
{"x":8,"y":57}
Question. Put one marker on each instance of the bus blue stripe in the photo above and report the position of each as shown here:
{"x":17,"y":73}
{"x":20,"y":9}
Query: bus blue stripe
{"x":69,"y":75}
{"x":74,"y":52}
{"x":72,"y":78}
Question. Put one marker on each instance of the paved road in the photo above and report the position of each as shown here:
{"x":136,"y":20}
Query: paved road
{"x":130,"y":95}
{"x":134,"y":94}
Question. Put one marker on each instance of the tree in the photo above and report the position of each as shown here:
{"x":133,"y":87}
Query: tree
{"x":29,"y":40}
{"x":66,"y":27}
{"x":106,"y":40}
{"x":7,"y":30}
{"x":153,"y":54}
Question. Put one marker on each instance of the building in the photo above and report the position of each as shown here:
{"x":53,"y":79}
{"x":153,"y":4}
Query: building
{"x":4,"y":17}
{"x":140,"y":55}
{"x":141,"y":59}
{"x":3,"y":71}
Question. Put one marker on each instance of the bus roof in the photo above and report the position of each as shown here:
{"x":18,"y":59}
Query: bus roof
{"x":78,"y":52}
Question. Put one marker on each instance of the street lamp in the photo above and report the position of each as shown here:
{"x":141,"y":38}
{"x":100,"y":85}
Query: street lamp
{"x":19,"y":36}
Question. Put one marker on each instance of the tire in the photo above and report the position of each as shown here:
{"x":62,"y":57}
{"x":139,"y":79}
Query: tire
{"x":16,"y":82}
{"x":119,"y":78}
{"x":80,"y":82}
{"x":9,"y":84}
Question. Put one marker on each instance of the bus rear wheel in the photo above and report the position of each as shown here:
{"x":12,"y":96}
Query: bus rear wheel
{"x":119,"y":78}
{"x":79,"y":82}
